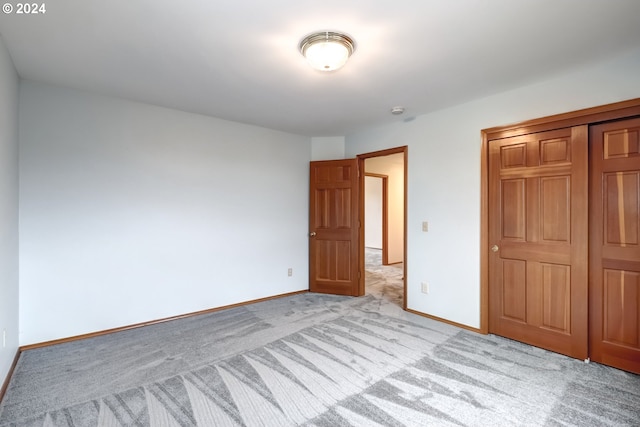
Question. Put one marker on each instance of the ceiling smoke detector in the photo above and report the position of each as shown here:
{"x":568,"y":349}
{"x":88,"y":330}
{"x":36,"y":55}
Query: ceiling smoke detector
{"x":397,"y":110}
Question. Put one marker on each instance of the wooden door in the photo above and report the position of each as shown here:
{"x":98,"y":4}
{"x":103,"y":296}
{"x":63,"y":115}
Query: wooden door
{"x":615,"y":245}
{"x":334,"y":250}
{"x":538,"y":226}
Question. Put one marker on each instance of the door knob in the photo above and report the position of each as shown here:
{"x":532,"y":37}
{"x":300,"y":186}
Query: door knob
{"x":494,"y":248}
{"x":312,"y":234}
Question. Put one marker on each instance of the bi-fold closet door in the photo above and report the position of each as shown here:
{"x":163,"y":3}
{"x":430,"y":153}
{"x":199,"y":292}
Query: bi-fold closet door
{"x":538,"y":229}
{"x":614,"y":262}
{"x":564,"y":257}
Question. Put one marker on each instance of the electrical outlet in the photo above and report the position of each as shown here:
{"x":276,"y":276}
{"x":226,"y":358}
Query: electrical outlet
{"x":290,"y":272}
{"x":425,"y":287}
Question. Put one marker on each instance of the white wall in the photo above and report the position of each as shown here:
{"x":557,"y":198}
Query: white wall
{"x":373,"y":206}
{"x":444,"y":176}
{"x":327,"y":148}
{"x":131,"y":212}
{"x":392,"y":166}
{"x":8,"y":211}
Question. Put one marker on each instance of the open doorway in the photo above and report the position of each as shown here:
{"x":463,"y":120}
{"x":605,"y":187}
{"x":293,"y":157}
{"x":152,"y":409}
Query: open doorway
{"x":384,"y":212}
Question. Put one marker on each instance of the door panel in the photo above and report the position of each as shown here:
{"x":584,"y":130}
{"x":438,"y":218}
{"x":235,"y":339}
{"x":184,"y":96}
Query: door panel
{"x":334,"y":227}
{"x":555,"y":209}
{"x":514,"y":290}
{"x":538,"y":205}
{"x":556,"y":291}
{"x":615,"y":245}
{"x":514,"y":224}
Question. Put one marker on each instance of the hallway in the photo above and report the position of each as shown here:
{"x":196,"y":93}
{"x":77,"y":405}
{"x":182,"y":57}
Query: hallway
{"x":383,"y":280}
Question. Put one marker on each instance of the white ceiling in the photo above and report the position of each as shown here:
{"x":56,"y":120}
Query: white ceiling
{"x":239,"y":60}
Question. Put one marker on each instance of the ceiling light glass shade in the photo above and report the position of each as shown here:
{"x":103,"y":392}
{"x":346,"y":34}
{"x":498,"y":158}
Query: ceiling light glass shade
{"x":327,"y":51}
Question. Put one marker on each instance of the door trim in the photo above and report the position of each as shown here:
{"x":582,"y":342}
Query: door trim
{"x":361,"y":158}
{"x":588,"y":116}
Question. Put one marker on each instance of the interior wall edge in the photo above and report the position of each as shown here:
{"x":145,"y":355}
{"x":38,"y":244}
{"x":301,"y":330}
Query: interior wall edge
{"x":448,"y":322}
{"x":152,"y":322}
{"x":7,"y":380}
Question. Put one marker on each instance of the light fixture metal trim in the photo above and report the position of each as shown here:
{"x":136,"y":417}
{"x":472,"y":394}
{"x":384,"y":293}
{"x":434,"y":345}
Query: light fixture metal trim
{"x":327,"y":50}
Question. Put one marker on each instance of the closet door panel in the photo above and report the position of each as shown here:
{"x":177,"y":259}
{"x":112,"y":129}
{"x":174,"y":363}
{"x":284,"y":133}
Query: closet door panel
{"x":614,"y":289}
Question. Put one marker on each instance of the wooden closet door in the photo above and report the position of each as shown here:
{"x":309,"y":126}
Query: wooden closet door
{"x":615,"y":245}
{"x":538,"y":228}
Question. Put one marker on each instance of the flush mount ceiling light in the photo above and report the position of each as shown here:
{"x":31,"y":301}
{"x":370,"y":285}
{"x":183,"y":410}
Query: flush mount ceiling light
{"x":327,"y":50}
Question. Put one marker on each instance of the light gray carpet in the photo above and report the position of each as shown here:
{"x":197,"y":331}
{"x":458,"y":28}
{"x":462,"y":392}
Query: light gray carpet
{"x":385,"y":281}
{"x":313,"y":360}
